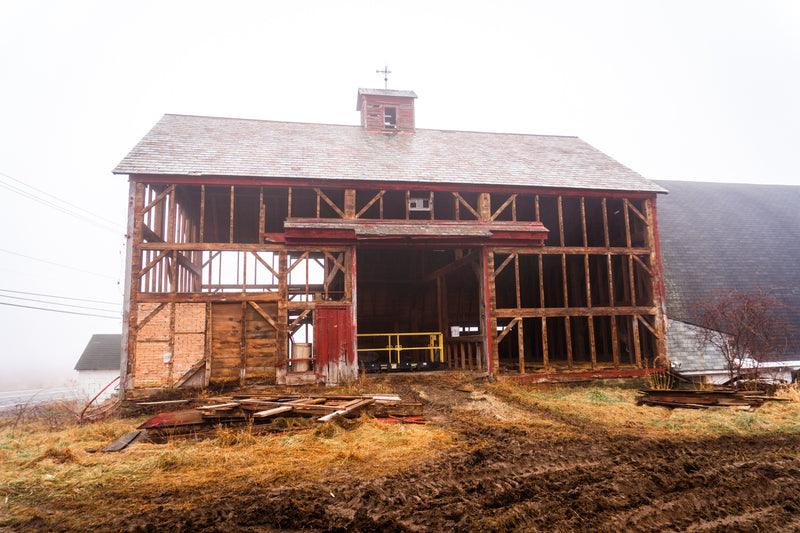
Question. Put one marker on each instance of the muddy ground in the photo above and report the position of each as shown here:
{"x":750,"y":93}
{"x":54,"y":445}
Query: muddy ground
{"x":561,"y":475}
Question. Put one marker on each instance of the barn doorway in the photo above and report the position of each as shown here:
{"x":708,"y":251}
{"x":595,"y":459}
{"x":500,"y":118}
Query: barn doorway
{"x":406,"y":296}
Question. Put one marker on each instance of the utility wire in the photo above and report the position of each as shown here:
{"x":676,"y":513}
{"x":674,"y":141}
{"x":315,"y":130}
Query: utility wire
{"x":107,"y":224}
{"x":58,"y":264}
{"x":56,"y":207}
{"x":60,"y":311}
{"x":55,"y":303}
{"x":60,"y":297}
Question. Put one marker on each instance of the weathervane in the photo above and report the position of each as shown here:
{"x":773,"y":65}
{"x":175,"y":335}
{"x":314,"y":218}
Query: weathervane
{"x":385,"y":73}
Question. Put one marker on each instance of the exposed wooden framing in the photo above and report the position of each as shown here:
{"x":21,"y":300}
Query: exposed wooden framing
{"x":283,"y":311}
{"x":642,"y":264}
{"x":175,"y":265}
{"x":160,"y":196}
{"x":452,"y":267}
{"x":533,"y":312}
{"x":461,"y":200}
{"x":374,"y":199}
{"x":202,"y":213}
{"x":502,"y":208}
{"x":230,"y":229}
{"x":142,"y":323}
{"x":520,"y":333}
{"x":243,"y":341}
{"x":263,"y":314}
{"x":349,"y":204}
{"x":655,"y":283}
{"x":170,"y":237}
{"x":265,"y":264}
{"x":507,"y":329}
{"x":152,"y":263}
{"x":207,"y":350}
{"x":505,"y":262}
{"x":636,"y":346}
{"x":298,"y":321}
{"x":304,"y":255}
{"x":262,"y":213}
{"x":408,"y":204}
{"x":636,"y":211}
{"x":647,"y":325}
{"x":171,"y":363}
{"x":545,"y":354}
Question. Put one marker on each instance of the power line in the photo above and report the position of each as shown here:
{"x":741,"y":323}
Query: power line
{"x":54,"y":303}
{"x":60,"y":297}
{"x":60,"y":311}
{"x":57,"y":264}
{"x":106,"y":224}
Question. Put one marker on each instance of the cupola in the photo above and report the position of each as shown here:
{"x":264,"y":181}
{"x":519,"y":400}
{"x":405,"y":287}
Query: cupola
{"x":386,"y":110}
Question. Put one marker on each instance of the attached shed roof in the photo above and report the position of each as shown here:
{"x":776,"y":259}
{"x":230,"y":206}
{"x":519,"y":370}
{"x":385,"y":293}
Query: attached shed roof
{"x":226,"y":147}
{"x":721,"y":237}
{"x":102,"y":353}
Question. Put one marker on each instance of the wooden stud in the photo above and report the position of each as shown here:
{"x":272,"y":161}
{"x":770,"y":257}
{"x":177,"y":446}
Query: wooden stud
{"x":262,"y":214}
{"x":230,"y":228}
{"x":243,"y":344}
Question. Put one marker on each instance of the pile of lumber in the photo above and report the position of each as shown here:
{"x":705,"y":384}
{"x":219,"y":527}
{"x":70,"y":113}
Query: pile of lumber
{"x":262,"y":414}
{"x":699,"y":399}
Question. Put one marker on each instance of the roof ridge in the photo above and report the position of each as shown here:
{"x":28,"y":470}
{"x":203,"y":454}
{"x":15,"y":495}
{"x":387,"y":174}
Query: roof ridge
{"x":443,"y":130}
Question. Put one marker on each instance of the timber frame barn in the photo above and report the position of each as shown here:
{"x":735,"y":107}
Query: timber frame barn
{"x":294,"y":252}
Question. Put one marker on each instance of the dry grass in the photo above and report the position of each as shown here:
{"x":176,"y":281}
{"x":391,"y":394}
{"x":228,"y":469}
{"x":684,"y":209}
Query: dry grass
{"x":42,"y":467}
{"x":615,"y":408}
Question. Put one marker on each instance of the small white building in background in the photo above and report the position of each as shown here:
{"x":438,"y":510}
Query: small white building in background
{"x":98,"y":366}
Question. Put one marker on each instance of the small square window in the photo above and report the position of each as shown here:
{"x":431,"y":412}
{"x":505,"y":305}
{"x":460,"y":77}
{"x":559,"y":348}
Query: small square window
{"x":389,"y":117}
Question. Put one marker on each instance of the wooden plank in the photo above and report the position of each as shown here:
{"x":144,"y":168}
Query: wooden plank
{"x":125,"y":441}
{"x":274,"y":411}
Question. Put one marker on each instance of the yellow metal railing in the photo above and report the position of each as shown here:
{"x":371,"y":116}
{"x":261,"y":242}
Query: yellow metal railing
{"x":393,"y":345}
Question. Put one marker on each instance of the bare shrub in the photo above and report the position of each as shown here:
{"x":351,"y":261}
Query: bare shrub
{"x":746,"y":328}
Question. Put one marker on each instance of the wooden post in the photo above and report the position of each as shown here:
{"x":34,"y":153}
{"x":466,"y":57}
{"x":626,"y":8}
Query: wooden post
{"x":349,"y":203}
{"x":520,"y":333}
{"x":661,"y":345}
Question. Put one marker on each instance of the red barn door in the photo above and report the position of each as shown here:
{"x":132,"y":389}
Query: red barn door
{"x":334,"y":353}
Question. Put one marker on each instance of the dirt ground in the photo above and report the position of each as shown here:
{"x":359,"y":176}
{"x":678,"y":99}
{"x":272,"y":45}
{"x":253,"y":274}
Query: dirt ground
{"x":553,"y":474}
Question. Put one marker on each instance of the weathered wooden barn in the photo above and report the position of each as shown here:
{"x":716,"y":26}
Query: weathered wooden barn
{"x":382,"y":246}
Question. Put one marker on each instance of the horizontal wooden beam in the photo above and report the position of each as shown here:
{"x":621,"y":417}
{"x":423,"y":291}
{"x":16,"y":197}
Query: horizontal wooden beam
{"x":472,"y":257}
{"x":570,"y":250}
{"x":225,"y":247}
{"x":191,"y":297}
{"x":530,"y":312}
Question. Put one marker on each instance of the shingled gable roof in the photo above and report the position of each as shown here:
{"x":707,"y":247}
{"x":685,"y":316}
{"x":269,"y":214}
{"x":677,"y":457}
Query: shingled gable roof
{"x":102,"y":353}
{"x":721,"y":236}
{"x":207,"y":146}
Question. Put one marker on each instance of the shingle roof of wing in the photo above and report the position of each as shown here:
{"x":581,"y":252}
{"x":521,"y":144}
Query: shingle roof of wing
{"x":102,"y":353}
{"x":209,"y":146}
{"x":718,"y":237}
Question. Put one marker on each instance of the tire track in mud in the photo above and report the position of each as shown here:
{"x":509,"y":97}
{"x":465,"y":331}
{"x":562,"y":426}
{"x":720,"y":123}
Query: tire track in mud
{"x":505,"y":478}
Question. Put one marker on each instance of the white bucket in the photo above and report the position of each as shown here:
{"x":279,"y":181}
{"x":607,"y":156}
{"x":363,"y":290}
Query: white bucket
{"x":301,"y":351}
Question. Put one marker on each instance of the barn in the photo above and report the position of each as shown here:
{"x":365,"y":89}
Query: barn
{"x":263,"y":251}
{"x":722,"y":237}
